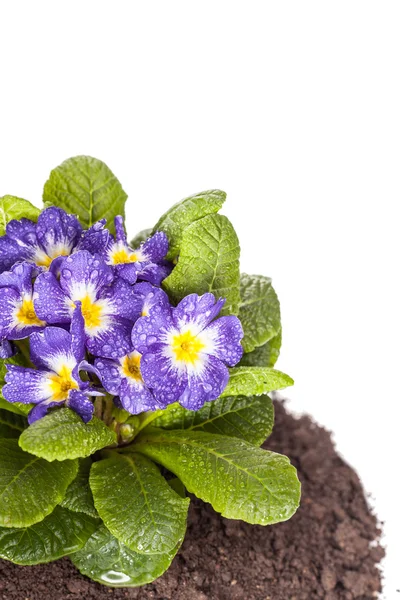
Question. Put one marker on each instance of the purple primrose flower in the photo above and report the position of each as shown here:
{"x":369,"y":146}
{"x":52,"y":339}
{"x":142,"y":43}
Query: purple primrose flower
{"x":185,"y":352}
{"x":58,"y":356}
{"x":56,"y":233}
{"x":17,"y":313}
{"x":145,"y":263}
{"x":109,"y":304}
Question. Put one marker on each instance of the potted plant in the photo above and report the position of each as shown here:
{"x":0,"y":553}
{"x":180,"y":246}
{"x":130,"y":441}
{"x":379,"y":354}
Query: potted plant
{"x":131,"y":373}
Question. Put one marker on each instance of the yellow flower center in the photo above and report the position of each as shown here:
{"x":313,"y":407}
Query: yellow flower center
{"x":187,"y":347}
{"x":44,"y":260}
{"x":61,"y":384}
{"x":26,"y":314}
{"x":122,"y":256}
{"x":131,"y":367}
{"x":91,"y":312}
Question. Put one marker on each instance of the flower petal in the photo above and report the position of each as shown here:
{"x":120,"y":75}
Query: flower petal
{"x":41,"y":410}
{"x":10,"y":253}
{"x":25,"y":385}
{"x":78,"y":336}
{"x":81,"y":405}
{"x":204,"y":384}
{"x":82,"y":272}
{"x":148,"y":271}
{"x":9,"y":299}
{"x":122,"y":300}
{"x":19,"y":277}
{"x":112,"y":342}
{"x":51,"y":303}
{"x":152,"y":328}
{"x":135,"y":397}
{"x":96,"y":240}
{"x":52,"y":349}
{"x":127,"y":271}
{"x":23,"y":231}
{"x":57,"y":232}
{"x":6,"y":349}
{"x":110,"y":375}
{"x":222,"y":339}
{"x":196,"y":311}
{"x":155,"y":248}
{"x":165,"y":379}
{"x":120,"y":234}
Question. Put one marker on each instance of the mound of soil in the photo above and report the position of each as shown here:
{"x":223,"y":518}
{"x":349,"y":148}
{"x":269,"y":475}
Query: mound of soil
{"x":329,"y":550}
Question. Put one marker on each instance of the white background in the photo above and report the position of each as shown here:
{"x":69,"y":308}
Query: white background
{"x":293,"y":108}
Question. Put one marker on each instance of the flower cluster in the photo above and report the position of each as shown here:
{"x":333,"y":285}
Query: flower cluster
{"x":98,"y":321}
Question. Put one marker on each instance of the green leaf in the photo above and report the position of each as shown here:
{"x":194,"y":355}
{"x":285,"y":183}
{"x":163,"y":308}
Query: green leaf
{"x":63,"y":435}
{"x":239,"y":480}
{"x":11,"y":424}
{"x":263,"y":356}
{"x":137,"y":505}
{"x":183,"y":213}
{"x":79,"y":496}
{"x":259,"y":311}
{"x":251,"y":381}
{"x":12,"y":207}
{"x":248,"y":418}
{"x":209,"y":262}
{"x":85,"y":186}
{"x":106,"y":560}
{"x":30,"y":487}
{"x":61,"y":533}
{"x":140,"y":237}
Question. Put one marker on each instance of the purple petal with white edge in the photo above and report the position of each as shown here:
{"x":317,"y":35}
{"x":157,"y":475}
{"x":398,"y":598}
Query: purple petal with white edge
{"x":96,"y":240}
{"x":6,"y":349}
{"x":222,"y":339}
{"x":135,"y":397}
{"x":122,"y":300}
{"x":155,"y":248}
{"x":23,"y":231}
{"x":84,"y":365}
{"x":127,"y":271}
{"x":25,"y":385}
{"x":166,"y":381}
{"x":204,"y":384}
{"x":82,"y":270}
{"x":40,"y":410}
{"x":196,"y":311}
{"x":57,"y":232}
{"x":81,"y":405}
{"x":78,"y":336}
{"x":10,"y":253}
{"x":51,"y":348}
{"x":120,"y":234}
{"x":153,"y":328}
{"x":110,"y":375}
{"x":51,"y":303}
{"x":19,"y":277}
{"x":9,"y":300}
{"x":55,"y":266}
{"x":113,"y":342}
{"x":150,"y":272}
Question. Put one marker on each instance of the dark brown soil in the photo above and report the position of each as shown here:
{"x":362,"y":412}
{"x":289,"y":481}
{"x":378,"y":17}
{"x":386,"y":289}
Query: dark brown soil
{"x":325,"y":551}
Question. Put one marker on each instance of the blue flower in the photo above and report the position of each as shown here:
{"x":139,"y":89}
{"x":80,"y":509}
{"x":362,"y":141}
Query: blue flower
{"x":146,"y":263}
{"x":109,"y":304}
{"x":17,"y":314}
{"x":58,"y":356}
{"x":55,"y":234}
{"x":185,"y":352}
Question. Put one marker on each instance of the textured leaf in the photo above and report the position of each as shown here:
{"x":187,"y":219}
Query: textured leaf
{"x":11,"y":424}
{"x":239,"y":480}
{"x":108,"y":561}
{"x":140,"y":237}
{"x":30,"y":487}
{"x":248,"y":418}
{"x":208,"y":262}
{"x":12,"y":207}
{"x":255,"y":381}
{"x":62,"y":435}
{"x":79,"y":496}
{"x":263,"y":356}
{"x":259,"y":311}
{"x":85,"y":186}
{"x":182,"y":214}
{"x":137,"y":505}
{"x":61,"y":533}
